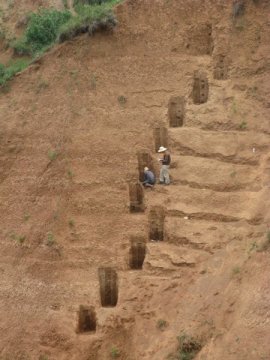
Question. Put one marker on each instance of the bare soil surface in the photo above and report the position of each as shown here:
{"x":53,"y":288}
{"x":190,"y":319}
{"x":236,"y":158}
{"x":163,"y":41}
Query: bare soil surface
{"x":70,"y":130}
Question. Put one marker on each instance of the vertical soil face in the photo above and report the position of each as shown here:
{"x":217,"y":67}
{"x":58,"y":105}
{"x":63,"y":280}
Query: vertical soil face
{"x":137,"y":253}
{"x":199,"y":40}
{"x":200,"y":88}
{"x":108,"y":282}
{"x":176,"y":111}
{"x":86,"y":319}
{"x":144,"y":159}
{"x":221,"y":68}
{"x":156,"y":223}
{"x":136,"y":197}
{"x":161,"y":137}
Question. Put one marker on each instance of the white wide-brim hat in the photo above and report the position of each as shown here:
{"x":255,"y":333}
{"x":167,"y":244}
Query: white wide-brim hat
{"x":146,"y":168}
{"x":162,"y":149}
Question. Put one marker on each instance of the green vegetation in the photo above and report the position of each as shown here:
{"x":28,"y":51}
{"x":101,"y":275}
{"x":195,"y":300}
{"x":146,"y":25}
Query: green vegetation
{"x":188,"y":347}
{"x":71,"y":223}
{"x":122,"y":99}
{"x":243,"y":125}
{"x":70,"y":174}
{"x":41,"y":31}
{"x":7,"y":72}
{"x":48,"y":26}
{"x":89,"y":18}
{"x":50,"y":239}
{"x":236,"y":270}
{"x":43,"y":357}
{"x":20,"y":239}
{"x":115,"y":352}
{"x":52,"y":155}
{"x":162,"y":324}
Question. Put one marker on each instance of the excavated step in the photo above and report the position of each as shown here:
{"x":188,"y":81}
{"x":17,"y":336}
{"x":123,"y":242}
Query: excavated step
{"x":203,"y":173}
{"x":208,"y":236}
{"x":164,"y":256}
{"x":234,"y":147}
{"x":208,"y":204}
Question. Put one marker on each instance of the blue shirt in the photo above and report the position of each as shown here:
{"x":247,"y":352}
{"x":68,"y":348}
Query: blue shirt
{"x":149,"y":177}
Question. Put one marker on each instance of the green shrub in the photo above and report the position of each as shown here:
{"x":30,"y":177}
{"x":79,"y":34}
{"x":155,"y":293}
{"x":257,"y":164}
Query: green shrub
{"x":21,"y":47}
{"x":115,"y":352}
{"x":71,"y":223}
{"x":50,"y":239}
{"x":43,"y":27}
{"x":89,"y":18}
{"x":2,"y":70}
{"x":48,"y":25}
{"x":6,"y":73}
{"x":90,"y":2}
{"x":18,"y":238}
{"x":236,"y":270}
{"x":52,"y":154}
{"x":188,"y":347}
{"x":93,"y":12}
{"x":122,"y":99}
{"x":243,"y":125}
{"x":43,"y":357}
{"x":162,"y":324}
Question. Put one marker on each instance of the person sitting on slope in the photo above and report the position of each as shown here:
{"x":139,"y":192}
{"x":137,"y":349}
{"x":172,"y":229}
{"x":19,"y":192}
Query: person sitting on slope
{"x":149,"y":178}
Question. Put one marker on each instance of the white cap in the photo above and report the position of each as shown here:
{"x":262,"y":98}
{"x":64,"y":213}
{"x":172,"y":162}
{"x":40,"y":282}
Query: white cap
{"x":146,"y":168}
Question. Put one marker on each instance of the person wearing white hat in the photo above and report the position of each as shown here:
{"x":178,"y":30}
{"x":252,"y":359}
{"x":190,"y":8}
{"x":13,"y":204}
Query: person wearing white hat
{"x":149,"y":178}
{"x":164,"y":177}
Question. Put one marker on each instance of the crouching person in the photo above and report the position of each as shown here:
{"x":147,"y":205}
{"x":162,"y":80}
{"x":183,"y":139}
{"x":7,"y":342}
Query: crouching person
{"x":149,"y":178}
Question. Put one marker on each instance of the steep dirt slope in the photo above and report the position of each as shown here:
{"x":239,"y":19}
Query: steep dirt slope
{"x":70,"y":131}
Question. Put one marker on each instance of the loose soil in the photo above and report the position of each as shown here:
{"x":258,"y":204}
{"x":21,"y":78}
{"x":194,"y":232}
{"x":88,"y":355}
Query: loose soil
{"x":69,"y":147}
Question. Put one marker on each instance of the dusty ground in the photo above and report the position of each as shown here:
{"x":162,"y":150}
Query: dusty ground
{"x":68,"y":147}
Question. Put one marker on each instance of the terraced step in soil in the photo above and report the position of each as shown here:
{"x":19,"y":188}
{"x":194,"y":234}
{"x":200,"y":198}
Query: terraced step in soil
{"x":169,"y":257}
{"x":210,"y":205}
{"x":233,"y":147}
{"x":205,"y":173}
{"x":208,"y":235}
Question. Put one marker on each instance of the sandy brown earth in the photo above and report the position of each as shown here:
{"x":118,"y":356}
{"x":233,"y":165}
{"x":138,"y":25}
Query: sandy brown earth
{"x":70,"y":130}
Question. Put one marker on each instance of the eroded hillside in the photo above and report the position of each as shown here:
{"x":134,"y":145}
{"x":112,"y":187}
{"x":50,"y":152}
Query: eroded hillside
{"x":74,"y":128}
